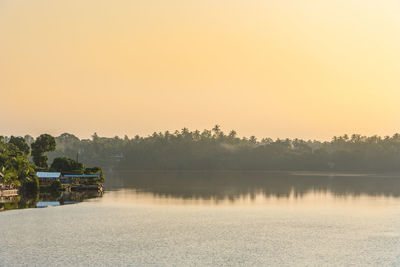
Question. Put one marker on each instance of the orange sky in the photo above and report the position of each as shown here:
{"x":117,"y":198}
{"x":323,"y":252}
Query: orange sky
{"x":284,"y":68}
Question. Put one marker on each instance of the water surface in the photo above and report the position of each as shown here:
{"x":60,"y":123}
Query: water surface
{"x":215,"y":218}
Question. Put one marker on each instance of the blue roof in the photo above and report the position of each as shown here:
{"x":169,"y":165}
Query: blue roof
{"x":82,"y":175}
{"x":45,"y":204}
{"x":48,"y":174}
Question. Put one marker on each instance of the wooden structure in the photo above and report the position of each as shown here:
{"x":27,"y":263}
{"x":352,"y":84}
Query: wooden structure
{"x":71,"y":182}
{"x":46,"y":178}
{"x":8,"y":193}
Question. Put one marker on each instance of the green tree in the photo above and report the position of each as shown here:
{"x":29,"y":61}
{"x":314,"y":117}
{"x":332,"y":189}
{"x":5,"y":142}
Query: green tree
{"x":44,"y":143}
{"x":15,"y":166}
{"x":67,"y":165}
{"x":21,"y":144}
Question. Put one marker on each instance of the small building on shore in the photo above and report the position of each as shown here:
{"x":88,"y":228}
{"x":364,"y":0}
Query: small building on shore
{"x":48,"y":177}
{"x":71,"y":182}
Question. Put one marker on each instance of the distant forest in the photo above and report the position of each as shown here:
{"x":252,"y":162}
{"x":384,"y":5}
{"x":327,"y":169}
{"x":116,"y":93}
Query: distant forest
{"x":215,"y":150}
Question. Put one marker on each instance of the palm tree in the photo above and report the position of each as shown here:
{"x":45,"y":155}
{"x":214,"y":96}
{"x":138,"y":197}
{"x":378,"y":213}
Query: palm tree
{"x":232,"y":134}
{"x":216,"y":129}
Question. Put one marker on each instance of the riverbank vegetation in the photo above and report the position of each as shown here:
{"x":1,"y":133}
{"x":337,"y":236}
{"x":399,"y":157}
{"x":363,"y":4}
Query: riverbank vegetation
{"x":216,"y":150}
{"x":17,"y":171}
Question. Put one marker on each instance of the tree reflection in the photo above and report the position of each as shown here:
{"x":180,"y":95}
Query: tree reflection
{"x":234,"y":185}
{"x":34,"y":200}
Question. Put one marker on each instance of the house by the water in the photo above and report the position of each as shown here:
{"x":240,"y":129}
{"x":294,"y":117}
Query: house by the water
{"x":71,"y":181}
{"x":47,"y":178}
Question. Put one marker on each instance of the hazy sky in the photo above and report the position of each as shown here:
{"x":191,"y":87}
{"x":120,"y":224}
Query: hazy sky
{"x":309,"y":69}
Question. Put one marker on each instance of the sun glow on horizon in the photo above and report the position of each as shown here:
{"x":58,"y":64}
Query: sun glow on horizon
{"x":307,"y":69}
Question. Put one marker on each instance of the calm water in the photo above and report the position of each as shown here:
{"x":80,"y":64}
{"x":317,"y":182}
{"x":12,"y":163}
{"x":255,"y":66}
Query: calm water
{"x":220,"y":218}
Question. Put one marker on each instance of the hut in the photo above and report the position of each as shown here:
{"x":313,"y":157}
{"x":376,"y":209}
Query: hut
{"x":48,"y":177}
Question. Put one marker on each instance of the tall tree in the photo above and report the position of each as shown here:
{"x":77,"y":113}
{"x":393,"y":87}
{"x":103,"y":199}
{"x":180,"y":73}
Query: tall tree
{"x":44,"y":143}
{"x":21,"y":144}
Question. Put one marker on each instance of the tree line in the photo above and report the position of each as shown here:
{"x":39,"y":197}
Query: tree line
{"x":216,"y":150}
{"x":22,"y":157}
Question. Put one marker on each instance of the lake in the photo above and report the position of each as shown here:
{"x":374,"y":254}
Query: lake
{"x":214,"y":218}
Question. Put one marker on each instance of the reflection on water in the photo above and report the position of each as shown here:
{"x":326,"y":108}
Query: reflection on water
{"x":213,"y":219}
{"x":225,"y":187}
{"x":43,"y":200}
{"x":218,"y":187}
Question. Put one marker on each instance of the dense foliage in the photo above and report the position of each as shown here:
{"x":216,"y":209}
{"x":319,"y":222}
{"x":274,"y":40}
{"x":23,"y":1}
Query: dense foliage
{"x":67,"y":165}
{"x":15,"y":166}
{"x":21,"y":144}
{"x":16,"y":170}
{"x":44,"y":143}
{"x":215,"y":150}
{"x":70,"y":166}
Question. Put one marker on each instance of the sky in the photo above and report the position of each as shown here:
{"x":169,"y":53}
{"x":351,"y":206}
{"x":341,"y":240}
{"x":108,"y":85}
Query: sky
{"x":280,"y":68}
